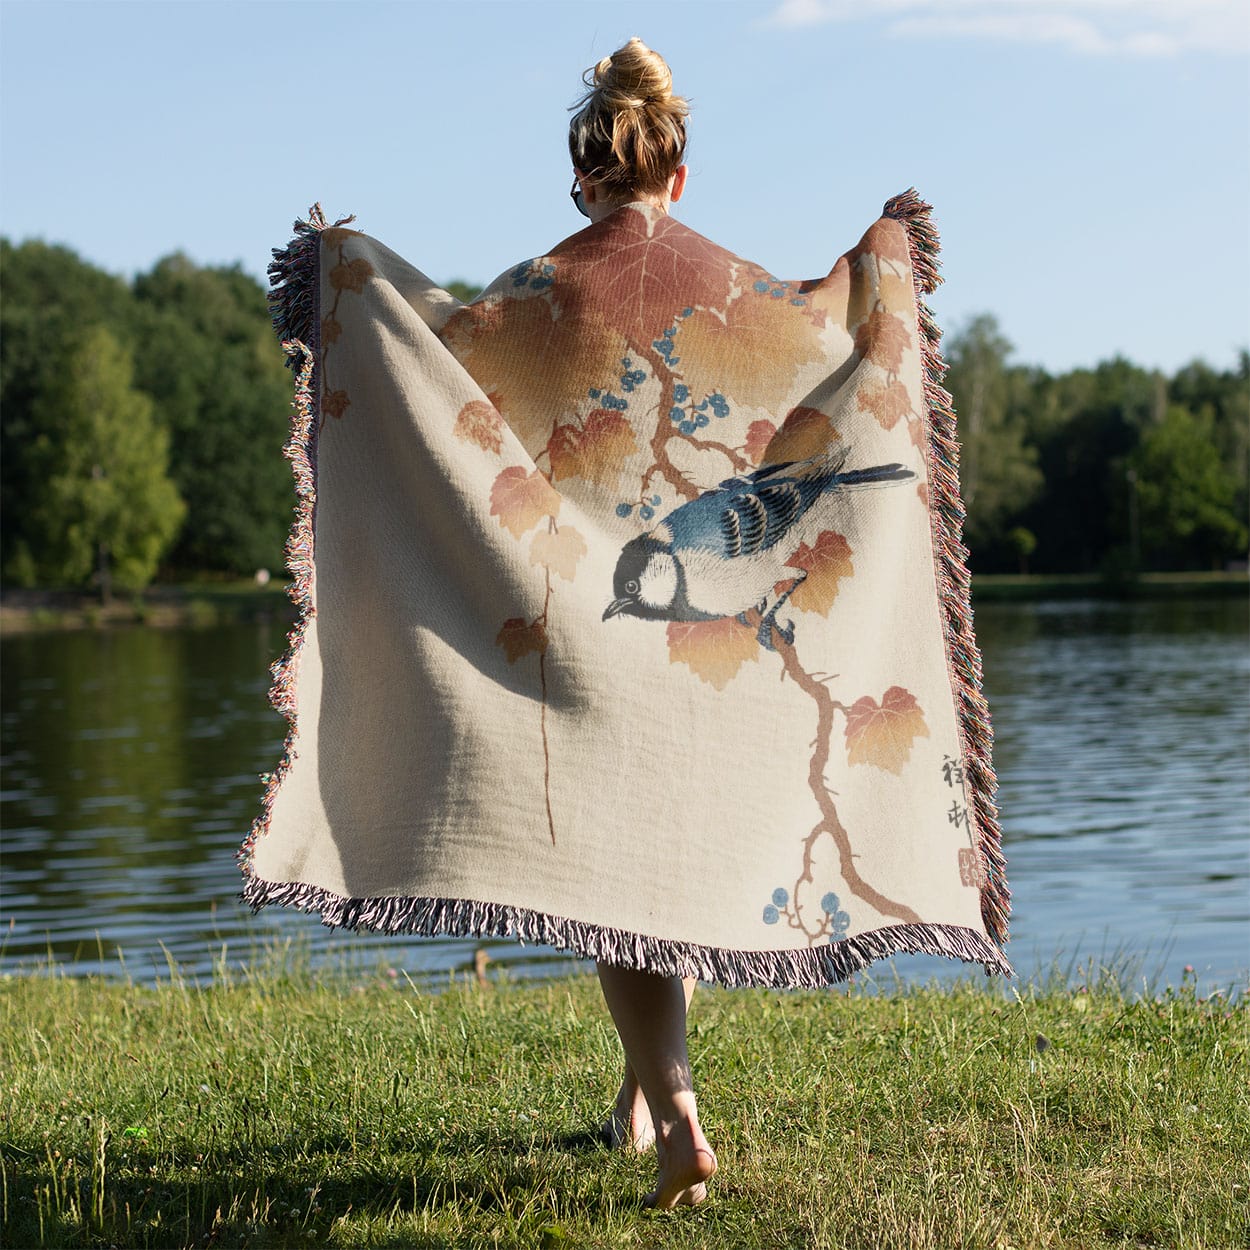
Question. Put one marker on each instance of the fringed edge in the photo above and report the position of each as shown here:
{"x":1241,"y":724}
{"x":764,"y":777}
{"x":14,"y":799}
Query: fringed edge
{"x":947,"y":512}
{"x":793,"y":969}
{"x":294,"y":301}
{"x":295,"y":283}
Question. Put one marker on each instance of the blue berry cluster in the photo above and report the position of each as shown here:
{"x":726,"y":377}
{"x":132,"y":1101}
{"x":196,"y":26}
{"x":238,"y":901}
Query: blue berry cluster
{"x":605,"y":399}
{"x":839,"y":921}
{"x":779,"y":290}
{"x":632,"y":377}
{"x":646,"y":509}
{"x":664,"y":344}
{"x":714,"y":405}
{"x":530,"y":273}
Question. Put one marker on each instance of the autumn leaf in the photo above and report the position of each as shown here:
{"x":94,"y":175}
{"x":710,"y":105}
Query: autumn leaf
{"x":500,"y":342}
{"x":596,"y":450}
{"x":479,"y":422}
{"x":887,"y":239}
{"x":805,"y":432}
{"x":714,"y":650}
{"x":896,"y":294}
{"x":882,"y":734}
{"x":518,"y":639}
{"x":887,"y":403}
{"x":828,"y":298}
{"x":520,"y":498}
{"x":826,"y":562}
{"x":922,"y":490}
{"x":640,"y":271}
{"x":351,"y":275}
{"x":759,"y":434}
{"x":558,"y":550}
{"x":919,"y":434}
{"x":335,"y":403}
{"x":334,"y":236}
{"x":331,"y":328}
{"x":751,"y":352}
{"x":883,"y":338}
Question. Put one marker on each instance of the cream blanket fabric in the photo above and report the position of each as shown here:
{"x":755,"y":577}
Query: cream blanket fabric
{"x":634,"y":618}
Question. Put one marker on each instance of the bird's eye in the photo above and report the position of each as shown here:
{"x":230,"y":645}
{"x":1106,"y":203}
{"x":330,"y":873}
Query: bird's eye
{"x":631,"y":587}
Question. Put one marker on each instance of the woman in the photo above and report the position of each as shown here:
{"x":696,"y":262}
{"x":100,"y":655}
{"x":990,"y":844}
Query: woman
{"x":628,"y":141}
{"x":635,"y":618}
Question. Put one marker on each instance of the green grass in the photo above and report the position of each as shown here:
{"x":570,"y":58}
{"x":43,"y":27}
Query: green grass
{"x":283,"y":1108}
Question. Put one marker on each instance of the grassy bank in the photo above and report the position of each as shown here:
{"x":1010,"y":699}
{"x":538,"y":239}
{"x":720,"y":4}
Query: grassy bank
{"x":287,"y":1110}
{"x":213,"y":603}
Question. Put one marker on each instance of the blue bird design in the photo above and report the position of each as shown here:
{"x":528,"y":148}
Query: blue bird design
{"x":722,"y":552}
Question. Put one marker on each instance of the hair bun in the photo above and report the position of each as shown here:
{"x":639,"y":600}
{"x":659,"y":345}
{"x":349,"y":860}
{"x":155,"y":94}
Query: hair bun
{"x":633,"y":77}
{"x":629,"y":131}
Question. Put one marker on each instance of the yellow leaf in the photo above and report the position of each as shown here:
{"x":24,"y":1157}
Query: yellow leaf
{"x":805,"y":432}
{"x":520,"y":499}
{"x":826,"y":562}
{"x":750,"y":355}
{"x":714,"y":650}
{"x":558,"y":550}
{"x":881,"y":734}
{"x":887,"y":403}
{"x":596,"y":450}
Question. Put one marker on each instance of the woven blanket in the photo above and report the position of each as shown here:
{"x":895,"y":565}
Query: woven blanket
{"x":634,"y":618}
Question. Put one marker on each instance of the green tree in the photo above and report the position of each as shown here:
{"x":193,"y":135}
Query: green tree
{"x":207,"y":356}
{"x":105,"y":505}
{"x":1185,"y":495}
{"x":51,"y":297}
{"x":997,"y":467}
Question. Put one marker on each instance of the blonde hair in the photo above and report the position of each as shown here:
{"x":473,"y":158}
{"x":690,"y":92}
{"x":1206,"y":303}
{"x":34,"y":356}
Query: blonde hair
{"x":629,"y":132}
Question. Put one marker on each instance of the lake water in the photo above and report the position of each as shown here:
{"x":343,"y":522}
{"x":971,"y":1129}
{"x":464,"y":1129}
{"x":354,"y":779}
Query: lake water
{"x":130,"y":762}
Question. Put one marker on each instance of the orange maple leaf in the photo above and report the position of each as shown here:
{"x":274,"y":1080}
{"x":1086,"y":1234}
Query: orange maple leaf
{"x":641,"y":272}
{"x":596,"y":450}
{"x":883,"y":338}
{"x":887,"y":239}
{"x":881,"y":734}
{"x":714,"y":650}
{"x":805,"y":432}
{"x":520,"y":498}
{"x":749,"y":353}
{"x":558,"y":550}
{"x":759,"y":433}
{"x":518,"y":638}
{"x":826,"y":561}
{"x":887,"y":403}
{"x":331,"y":328}
{"x":479,"y":422}
{"x":922,"y":489}
{"x":351,"y":275}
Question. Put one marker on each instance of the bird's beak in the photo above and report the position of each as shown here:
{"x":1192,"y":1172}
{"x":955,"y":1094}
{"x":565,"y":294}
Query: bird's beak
{"x":617,"y":605}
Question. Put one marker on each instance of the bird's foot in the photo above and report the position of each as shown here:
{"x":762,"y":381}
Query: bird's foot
{"x":741,"y":618}
{"x":787,"y":634}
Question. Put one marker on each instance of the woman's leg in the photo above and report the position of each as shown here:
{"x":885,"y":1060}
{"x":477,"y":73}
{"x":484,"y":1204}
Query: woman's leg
{"x":650,"y":1015}
{"x":629,"y":1124}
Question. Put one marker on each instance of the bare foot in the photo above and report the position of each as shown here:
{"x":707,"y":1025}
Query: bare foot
{"x":629,"y":1126}
{"x":686,"y":1165}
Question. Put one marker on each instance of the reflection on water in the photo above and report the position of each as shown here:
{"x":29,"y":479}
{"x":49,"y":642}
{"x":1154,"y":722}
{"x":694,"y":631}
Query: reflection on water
{"x":130,"y":776}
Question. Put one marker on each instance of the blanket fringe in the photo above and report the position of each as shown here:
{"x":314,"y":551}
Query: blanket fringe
{"x":294,"y":301}
{"x":947,"y":510}
{"x":789,"y":969}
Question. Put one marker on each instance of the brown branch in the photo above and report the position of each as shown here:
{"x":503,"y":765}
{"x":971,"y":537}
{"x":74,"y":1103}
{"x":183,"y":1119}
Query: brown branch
{"x":829,"y":822}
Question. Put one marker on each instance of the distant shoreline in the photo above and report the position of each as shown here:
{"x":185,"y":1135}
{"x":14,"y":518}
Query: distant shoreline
{"x":197,"y":604}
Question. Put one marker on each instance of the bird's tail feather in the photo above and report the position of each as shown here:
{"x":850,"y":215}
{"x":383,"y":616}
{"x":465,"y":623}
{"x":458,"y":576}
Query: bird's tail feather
{"x":868,"y":477}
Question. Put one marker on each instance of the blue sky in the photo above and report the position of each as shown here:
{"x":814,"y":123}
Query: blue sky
{"x":1088,"y":160}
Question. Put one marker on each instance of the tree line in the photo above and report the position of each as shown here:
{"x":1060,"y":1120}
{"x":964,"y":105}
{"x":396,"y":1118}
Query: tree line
{"x":141,"y":424}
